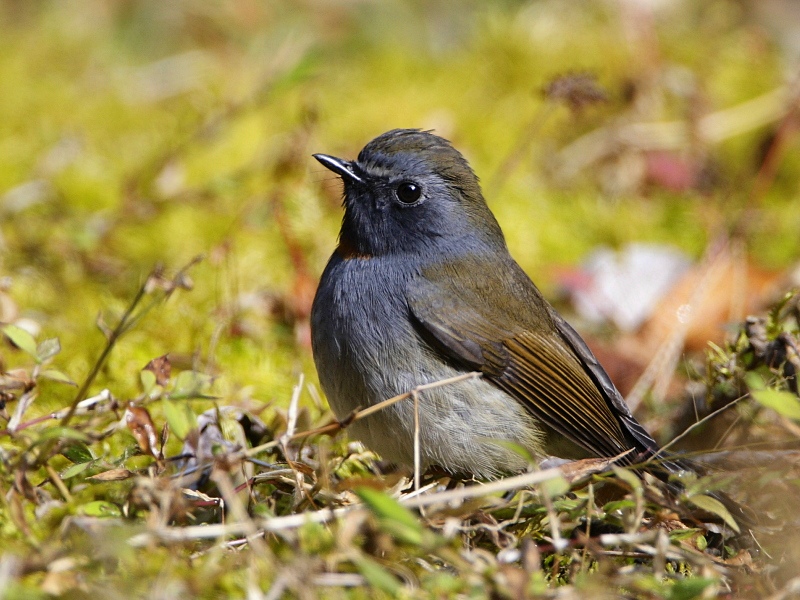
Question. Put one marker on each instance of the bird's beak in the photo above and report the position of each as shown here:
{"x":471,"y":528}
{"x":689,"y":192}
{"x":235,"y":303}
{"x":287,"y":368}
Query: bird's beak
{"x":343,"y":168}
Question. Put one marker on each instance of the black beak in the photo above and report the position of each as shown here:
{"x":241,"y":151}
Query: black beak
{"x":343,"y":168}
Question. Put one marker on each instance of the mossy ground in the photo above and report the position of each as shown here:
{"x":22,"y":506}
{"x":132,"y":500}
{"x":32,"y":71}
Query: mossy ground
{"x":144,"y":133}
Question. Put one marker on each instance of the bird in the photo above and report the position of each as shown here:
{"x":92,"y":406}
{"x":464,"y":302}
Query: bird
{"x":422,"y":288}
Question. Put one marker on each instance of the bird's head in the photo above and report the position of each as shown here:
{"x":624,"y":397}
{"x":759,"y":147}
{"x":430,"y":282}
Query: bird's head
{"x":410,"y":191}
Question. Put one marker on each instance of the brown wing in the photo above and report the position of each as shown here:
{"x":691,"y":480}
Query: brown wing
{"x":505,"y":329}
{"x":598,"y":374}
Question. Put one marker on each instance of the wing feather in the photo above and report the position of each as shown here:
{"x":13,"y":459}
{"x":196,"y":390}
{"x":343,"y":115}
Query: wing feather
{"x":520,"y":346}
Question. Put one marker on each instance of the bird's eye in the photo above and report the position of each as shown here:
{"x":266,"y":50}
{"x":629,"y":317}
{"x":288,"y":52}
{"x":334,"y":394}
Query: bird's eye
{"x":408,"y":193}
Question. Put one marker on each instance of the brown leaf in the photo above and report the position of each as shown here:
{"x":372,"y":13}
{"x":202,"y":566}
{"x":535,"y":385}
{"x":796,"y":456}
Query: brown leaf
{"x":112,"y":475}
{"x":580,"y":469}
{"x":301,"y":467}
{"x":141,"y":425}
{"x":743,"y":558}
{"x":729,"y":288}
{"x":162,"y":369}
{"x":376,"y":483}
{"x":17,"y":379}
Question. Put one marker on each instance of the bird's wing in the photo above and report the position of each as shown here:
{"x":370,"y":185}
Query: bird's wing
{"x":603,"y":382}
{"x":502,"y":327}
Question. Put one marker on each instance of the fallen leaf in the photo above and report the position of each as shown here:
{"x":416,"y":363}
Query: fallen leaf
{"x":112,"y":475}
{"x":162,"y":369}
{"x":709,"y":296}
{"x":141,"y":426}
{"x":580,"y":469}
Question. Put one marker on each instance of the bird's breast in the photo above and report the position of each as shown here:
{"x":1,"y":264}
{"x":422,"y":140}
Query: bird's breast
{"x":367,"y":350}
{"x":360,"y":327}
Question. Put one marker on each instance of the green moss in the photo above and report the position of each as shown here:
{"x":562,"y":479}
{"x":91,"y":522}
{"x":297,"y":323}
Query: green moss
{"x":139,"y":134}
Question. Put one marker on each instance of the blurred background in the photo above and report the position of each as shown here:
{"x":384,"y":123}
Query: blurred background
{"x":141,"y":132}
{"x":642,"y":157}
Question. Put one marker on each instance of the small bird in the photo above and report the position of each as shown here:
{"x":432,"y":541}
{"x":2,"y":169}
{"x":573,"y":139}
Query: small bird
{"x":422,"y":288}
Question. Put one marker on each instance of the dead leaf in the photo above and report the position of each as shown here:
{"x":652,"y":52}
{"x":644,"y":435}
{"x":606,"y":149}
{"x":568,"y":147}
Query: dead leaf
{"x":743,"y":558}
{"x":112,"y":475}
{"x":732,"y":288}
{"x":161,"y":368}
{"x":16,"y":379}
{"x":580,"y":469}
{"x":141,"y":426}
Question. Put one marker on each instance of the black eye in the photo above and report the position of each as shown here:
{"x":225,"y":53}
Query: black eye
{"x":408,"y":192}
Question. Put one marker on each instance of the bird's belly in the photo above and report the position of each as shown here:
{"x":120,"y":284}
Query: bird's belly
{"x":366,"y":350}
{"x":462,"y":427}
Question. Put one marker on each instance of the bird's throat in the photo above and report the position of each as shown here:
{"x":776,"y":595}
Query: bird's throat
{"x":347,"y":250}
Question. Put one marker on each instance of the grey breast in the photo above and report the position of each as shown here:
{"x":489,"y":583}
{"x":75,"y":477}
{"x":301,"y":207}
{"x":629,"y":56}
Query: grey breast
{"x":367,"y":350}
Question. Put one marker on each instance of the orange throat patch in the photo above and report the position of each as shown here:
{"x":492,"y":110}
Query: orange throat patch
{"x":348,"y":251}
